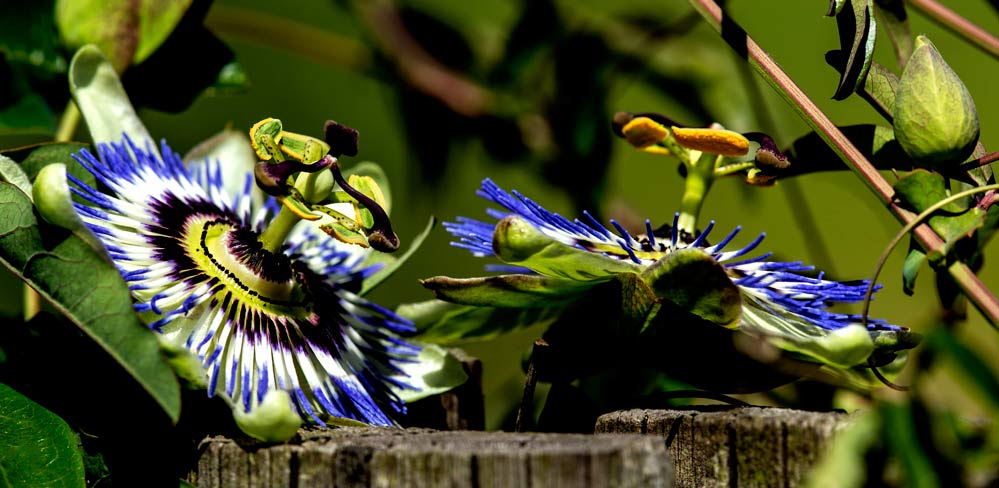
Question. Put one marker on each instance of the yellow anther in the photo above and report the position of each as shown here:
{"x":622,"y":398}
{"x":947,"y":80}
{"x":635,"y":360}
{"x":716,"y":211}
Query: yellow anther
{"x":644,"y":133}
{"x":713,"y":141}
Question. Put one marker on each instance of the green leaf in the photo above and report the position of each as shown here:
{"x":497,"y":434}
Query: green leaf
{"x":857,"y":31}
{"x":392,"y":263}
{"x":157,"y":20}
{"x":879,"y":91}
{"x":517,"y":241}
{"x":693,"y":280}
{"x":935,"y":118}
{"x":111,"y":25}
{"x":449,"y":323}
{"x":891,"y":14}
{"x":903,"y":438}
{"x":37,"y":448}
{"x":12,"y":173}
{"x":435,"y":371}
{"x":845,"y":460}
{"x":507,"y":291}
{"x":921,"y":189}
{"x":910,"y":268}
{"x":28,"y":36}
{"x":973,"y":369}
{"x":87,"y":290}
{"x":102,"y":100}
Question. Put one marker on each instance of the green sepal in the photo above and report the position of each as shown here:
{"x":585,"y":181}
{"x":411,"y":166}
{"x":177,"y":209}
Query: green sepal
{"x":273,"y":420}
{"x":639,"y":302}
{"x":102,"y":100}
{"x":510,"y":291}
{"x":693,"y":280}
{"x":935,"y":118}
{"x":52,"y":199}
{"x":516,"y":241}
{"x":920,"y":189}
{"x":434,"y":371}
{"x":842,"y":348}
{"x":443,"y":322}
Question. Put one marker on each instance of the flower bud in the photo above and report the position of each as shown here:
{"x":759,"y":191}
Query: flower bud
{"x":935,"y":118}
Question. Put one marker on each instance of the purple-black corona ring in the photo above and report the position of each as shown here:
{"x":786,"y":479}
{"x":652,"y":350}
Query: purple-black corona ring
{"x":259,"y":317}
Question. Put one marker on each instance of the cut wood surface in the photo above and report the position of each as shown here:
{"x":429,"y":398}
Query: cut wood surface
{"x":383,"y":457}
{"x":734,"y":446}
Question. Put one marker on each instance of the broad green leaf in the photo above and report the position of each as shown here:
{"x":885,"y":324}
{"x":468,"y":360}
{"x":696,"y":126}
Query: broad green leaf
{"x":157,"y":20}
{"x":935,"y":118}
{"x":845,"y":460}
{"x":921,"y":189}
{"x":507,"y":291}
{"x":434,"y":371}
{"x":693,"y":280}
{"x":516,"y":241}
{"x":102,"y":100}
{"x":857,"y":31}
{"x":441,"y":322}
{"x":973,"y":369}
{"x":37,"y":448}
{"x":28,"y":36}
{"x":110,"y":25}
{"x":910,"y":268}
{"x":892,"y":15}
{"x":12,"y":173}
{"x":87,"y":290}
{"x":391,"y":262}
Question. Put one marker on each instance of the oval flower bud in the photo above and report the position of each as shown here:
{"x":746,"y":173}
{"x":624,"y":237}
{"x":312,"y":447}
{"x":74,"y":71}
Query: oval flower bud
{"x":935,"y":118}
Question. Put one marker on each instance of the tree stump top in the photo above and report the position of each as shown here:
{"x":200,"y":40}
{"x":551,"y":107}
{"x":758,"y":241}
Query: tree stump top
{"x":370,"y":456}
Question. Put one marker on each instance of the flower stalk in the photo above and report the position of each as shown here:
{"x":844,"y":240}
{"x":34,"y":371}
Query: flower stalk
{"x":983,"y":299}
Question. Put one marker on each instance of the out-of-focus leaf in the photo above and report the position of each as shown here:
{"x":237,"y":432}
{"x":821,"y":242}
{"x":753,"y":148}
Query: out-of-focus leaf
{"x":507,"y":291}
{"x":12,"y":173}
{"x":37,"y":448}
{"x":902,"y":437}
{"x":910,"y":268}
{"x":28,"y":36}
{"x":441,"y":322}
{"x":87,"y":290}
{"x":892,"y":15}
{"x":157,"y":19}
{"x":857,"y":31}
{"x":974,"y":370}
{"x":935,"y":118}
{"x":156,"y":82}
{"x":111,"y":25}
{"x":536,"y":29}
{"x":21,"y":108}
{"x":434,"y":371}
{"x":810,"y":153}
{"x":921,"y":189}
{"x":693,"y":280}
{"x":845,"y":459}
{"x":392,"y":263}
{"x":103,"y":101}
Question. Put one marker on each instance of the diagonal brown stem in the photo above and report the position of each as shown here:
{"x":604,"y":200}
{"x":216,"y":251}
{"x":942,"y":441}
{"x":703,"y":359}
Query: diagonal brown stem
{"x":983,"y":299}
{"x":959,"y":25}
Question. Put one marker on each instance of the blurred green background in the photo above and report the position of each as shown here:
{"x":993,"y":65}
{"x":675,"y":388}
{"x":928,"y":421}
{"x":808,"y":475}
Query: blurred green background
{"x":827,"y":219}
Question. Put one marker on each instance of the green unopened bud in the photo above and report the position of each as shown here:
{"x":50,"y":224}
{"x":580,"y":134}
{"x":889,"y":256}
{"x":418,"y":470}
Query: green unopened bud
{"x":274,"y":420}
{"x":516,"y":240}
{"x":935,"y":118}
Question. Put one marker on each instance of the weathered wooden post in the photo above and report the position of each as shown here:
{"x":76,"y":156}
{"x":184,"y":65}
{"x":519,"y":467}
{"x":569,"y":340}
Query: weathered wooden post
{"x":734,"y":446}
